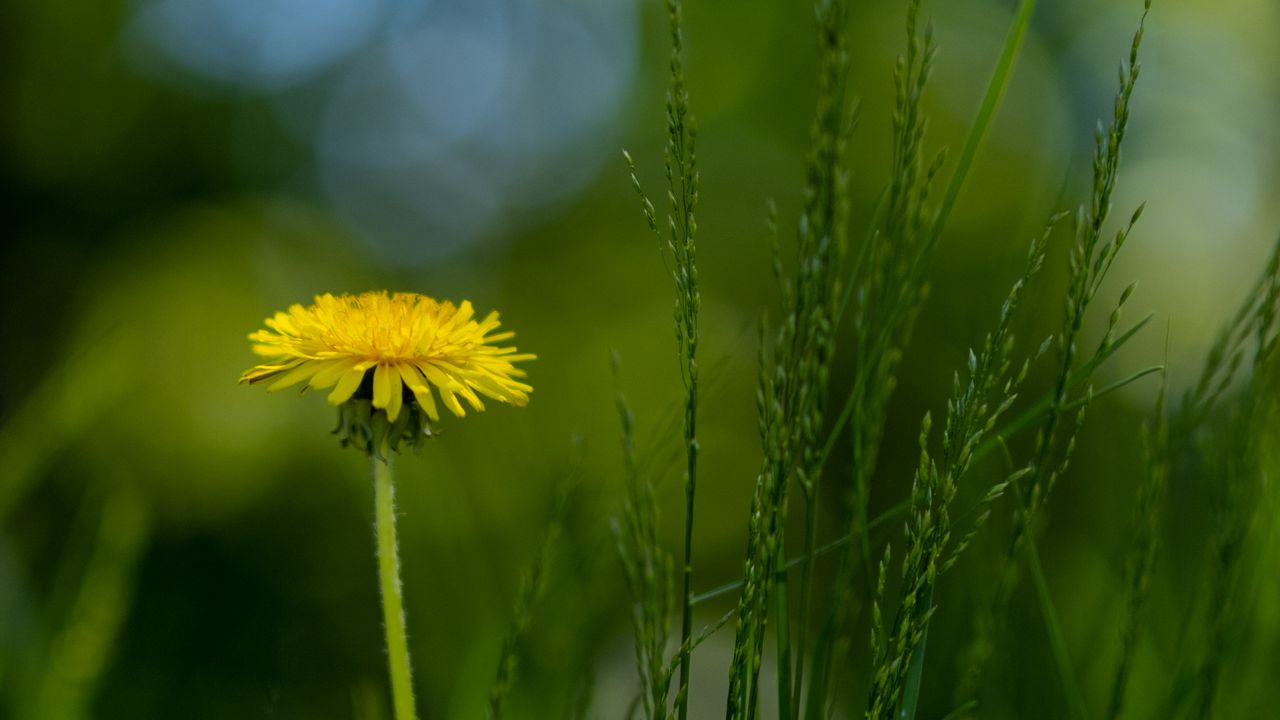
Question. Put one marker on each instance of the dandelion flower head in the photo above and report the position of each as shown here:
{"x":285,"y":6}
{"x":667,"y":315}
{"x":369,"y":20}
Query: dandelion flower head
{"x":413,"y":346}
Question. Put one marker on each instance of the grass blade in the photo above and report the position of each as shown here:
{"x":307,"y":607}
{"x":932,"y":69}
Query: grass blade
{"x":1057,"y":640}
{"x":986,"y":111}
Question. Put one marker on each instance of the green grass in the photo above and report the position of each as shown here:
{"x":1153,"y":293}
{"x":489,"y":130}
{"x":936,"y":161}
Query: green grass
{"x":860,"y":307}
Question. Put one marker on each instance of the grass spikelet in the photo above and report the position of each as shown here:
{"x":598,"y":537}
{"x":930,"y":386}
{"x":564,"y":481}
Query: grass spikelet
{"x":975,"y":406}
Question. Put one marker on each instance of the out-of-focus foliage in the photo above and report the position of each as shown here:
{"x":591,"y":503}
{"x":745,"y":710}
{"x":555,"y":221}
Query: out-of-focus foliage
{"x":173,"y":545}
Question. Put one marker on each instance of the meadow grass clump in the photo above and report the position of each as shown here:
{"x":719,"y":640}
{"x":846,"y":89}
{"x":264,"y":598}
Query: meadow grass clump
{"x":876,"y":292}
{"x":883,"y":288}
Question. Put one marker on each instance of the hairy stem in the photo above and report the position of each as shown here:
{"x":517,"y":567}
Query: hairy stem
{"x":389,"y":579}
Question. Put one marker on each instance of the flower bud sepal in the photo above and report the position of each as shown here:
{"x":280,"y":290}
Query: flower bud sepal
{"x":365,"y":428}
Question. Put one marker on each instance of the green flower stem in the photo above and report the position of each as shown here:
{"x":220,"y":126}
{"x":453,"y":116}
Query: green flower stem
{"x":389,"y":577}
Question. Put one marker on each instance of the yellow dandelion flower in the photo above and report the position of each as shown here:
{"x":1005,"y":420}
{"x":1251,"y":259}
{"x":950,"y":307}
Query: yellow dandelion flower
{"x":392,"y":349}
{"x":387,"y":357}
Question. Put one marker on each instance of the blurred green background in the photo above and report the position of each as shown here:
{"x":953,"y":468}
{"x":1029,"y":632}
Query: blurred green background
{"x":175,"y":546}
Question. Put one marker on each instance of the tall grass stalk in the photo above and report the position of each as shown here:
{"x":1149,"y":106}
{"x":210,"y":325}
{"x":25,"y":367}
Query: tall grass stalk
{"x":1091,"y":257}
{"x":680,"y":250}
